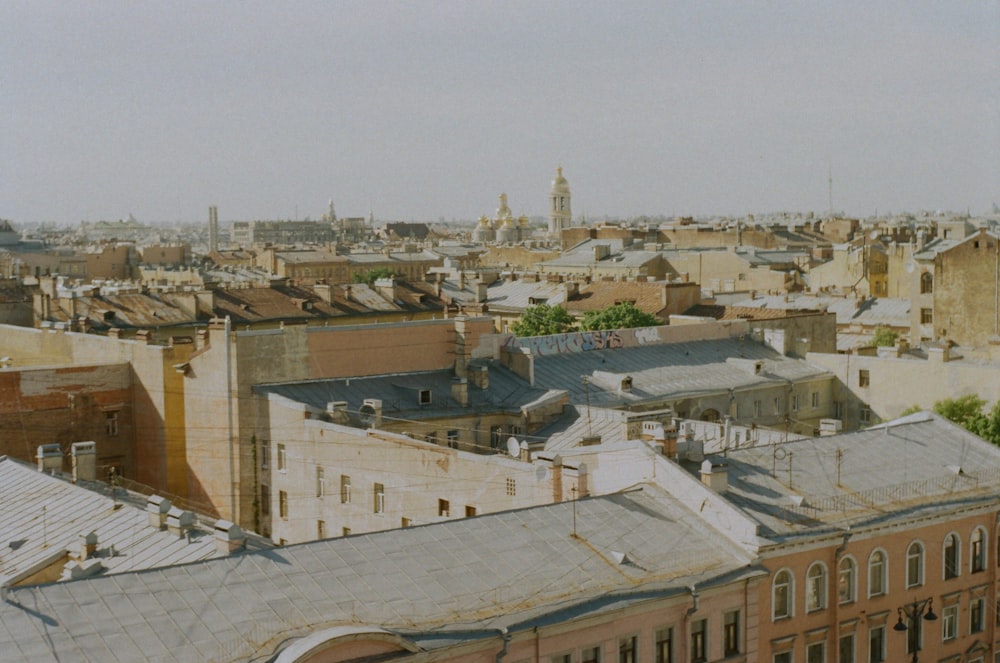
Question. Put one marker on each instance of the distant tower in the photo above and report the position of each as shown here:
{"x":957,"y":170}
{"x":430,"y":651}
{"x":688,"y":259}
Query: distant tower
{"x":332,"y":214}
{"x":213,"y":228}
{"x":560,"y":215}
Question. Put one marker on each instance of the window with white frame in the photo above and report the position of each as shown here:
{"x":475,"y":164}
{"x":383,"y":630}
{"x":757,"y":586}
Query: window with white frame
{"x":951,"y":556}
{"x":949,"y":622}
{"x":282,"y":458}
{"x":815,"y":399}
{"x":757,"y":408}
{"x":665,"y":645}
{"x":699,"y":641}
{"x":877,"y":574}
{"x":876,"y":644}
{"x":379,"y":498}
{"x":977,"y":615}
{"x":731,"y":633}
{"x":846,"y":648}
{"x":846,"y":580}
{"x":816,"y":587}
{"x":816,"y":652}
{"x":782,"y":593}
{"x":978,"y":550}
{"x":265,"y":455}
{"x":915,"y":565}
{"x":320,"y":481}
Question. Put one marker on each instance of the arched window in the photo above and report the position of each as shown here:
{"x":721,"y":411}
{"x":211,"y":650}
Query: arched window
{"x":846,"y":580}
{"x":877,"y":563}
{"x":978,"y":561}
{"x":926,"y":283}
{"x":915,"y":565}
{"x":782,"y":593}
{"x":816,"y":587}
{"x":951,"y":556}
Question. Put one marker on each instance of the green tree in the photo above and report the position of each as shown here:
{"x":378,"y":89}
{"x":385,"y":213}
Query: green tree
{"x":966,"y":411}
{"x":988,"y":426}
{"x":620,"y":316}
{"x":885,"y":337}
{"x":543,"y":319}
{"x":373,"y":275}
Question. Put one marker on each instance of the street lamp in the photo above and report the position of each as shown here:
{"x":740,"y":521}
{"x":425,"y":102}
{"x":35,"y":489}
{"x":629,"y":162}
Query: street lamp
{"x":913,"y":613}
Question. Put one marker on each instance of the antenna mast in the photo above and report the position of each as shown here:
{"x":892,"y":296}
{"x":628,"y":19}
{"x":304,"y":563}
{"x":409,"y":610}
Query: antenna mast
{"x":829,"y":179}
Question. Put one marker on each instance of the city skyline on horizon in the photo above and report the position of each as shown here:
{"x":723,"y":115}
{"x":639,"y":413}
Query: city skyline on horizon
{"x":429,"y":112}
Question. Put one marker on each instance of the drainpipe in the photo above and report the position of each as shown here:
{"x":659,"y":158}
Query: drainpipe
{"x":505,"y":638}
{"x":229,"y":418}
{"x":687,"y":616}
{"x":835,"y":580}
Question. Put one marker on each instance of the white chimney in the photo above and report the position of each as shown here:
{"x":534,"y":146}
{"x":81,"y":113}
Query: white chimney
{"x":157,"y":508}
{"x":715,"y":475}
{"x":84,"y":461}
{"x":49,"y":458}
{"x":179,"y":521}
{"x":229,"y":537}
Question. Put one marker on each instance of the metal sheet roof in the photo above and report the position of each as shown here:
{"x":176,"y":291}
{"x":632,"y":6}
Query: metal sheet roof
{"x":505,"y":569}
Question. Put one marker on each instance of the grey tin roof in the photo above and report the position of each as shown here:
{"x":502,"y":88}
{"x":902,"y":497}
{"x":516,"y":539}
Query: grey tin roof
{"x":670,"y":370}
{"x":920,"y":463}
{"x":511,"y":569}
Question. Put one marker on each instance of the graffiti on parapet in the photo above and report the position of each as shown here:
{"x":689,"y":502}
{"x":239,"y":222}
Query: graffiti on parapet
{"x":583,"y":341}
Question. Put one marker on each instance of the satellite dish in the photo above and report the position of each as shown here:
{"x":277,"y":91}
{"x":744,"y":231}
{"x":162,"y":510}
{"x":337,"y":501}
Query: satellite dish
{"x":367,"y":414}
{"x":909,"y":266}
{"x":513,"y":448}
{"x":873,"y":235}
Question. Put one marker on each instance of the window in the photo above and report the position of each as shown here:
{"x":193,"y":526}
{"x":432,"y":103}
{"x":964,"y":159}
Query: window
{"x":698,"y":633}
{"x":757,"y":408}
{"x":320,"y":529}
{"x":876,"y":644}
{"x":815,"y":399}
{"x":951,"y":556}
{"x":978,"y":561}
{"x":781,"y":595}
{"x":977,"y":615}
{"x":816,"y":652}
{"x":346,"y":531}
{"x":282,"y":458}
{"x":731,"y":633}
{"x":926,"y":316}
{"x":626,"y":650}
{"x":816,"y":587}
{"x":265,"y":455}
{"x":876,"y":574}
{"x":444,"y":508}
{"x":795,"y":403}
{"x":665,"y":645}
{"x":470,"y":511}
{"x":320,"y":482}
{"x":783,"y":657}
{"x":379,"y":502}
{"x":914,"y":565}
{"x":561,"y":658}
{"x":453,"y":439}
{"x":590,"y":655}
{"x":511,"y":487}
{"x":926,"y":283}
{"x":846,"y":654}
{"x":864,"y":378}
{"x":265,"y":499}
{"x":496,"y":436}
{"x":777,"y":406}
{"x":111,"y":423}
{"x":838,"y":409}
{"x":846,"y":574}
{"x":283,"y":504}
{"x":949,"y":622}
{"x":865,"y":414}
{"x":424,"y":397}
{"x":345,"y":489}
{"x":405,"y":522}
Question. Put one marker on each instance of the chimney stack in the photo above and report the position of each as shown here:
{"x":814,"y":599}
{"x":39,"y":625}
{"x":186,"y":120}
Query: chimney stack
{"x":84,"y":461}
{"x":87,"y":545}
{"x":715,"y":475}
{"x":49,"y":458}
{"x":460,"y":391}
{"x":179,"y":521}
{"x":156,"y":510}
{"x":229,"y":537}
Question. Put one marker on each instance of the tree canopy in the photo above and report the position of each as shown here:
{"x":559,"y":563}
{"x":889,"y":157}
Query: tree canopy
{"x":967,"y":412}
{"x":373,"y":275}
{"x":885,"y":337}
{"x":620,"y":316}
{"x":543,"y":319}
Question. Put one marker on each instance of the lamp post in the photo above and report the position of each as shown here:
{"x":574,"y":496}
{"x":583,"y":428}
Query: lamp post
{"x":914,"y":612}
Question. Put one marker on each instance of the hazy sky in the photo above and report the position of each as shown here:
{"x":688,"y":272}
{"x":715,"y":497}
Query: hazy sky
{"x":422,"y":110}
